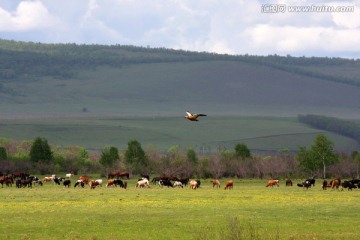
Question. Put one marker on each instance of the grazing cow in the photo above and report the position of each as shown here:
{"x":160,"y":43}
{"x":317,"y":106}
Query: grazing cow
{"x":184,"y":181}
{"x":304,"y":185}
{"x":112,"y":175}
{"x":347,"y":184}
{"x":100,"y":182}
{"x":311,"y":181}
{"x":80,"y":183}
{"x":47,"y":179}
{"x":110,"y":182}
{"x":272,"y":183}
{"x":56,"y":181}
{"x":69,"y":175}
{"x":356,"y":182}
{"x":229,"y":185}
{"x":143,"y":183}
{"x":215,"y":183}
{"x":85,"y":179}
{"x":124,"y":174}
{"x":335,"y":183}
{"x":165,"y":183}
{"x":178,"y":184}
{"x":145,"y":176}
{"x":288,"y":182}
{"x":67,"y":183}
{"x":93,"y":184}
{"x":193,"y":184}
{"x":155,"y":179}
{"x":26,"y":182}
{"x":121,"y":183}
{"x":325,"y":184}
{"x":18,"y":183}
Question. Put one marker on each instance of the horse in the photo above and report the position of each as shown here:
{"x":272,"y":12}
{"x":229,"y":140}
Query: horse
{"x":178,"y":184}
{"x":229,"y":185}
{"x":215,"y":183}
{"x":142,"y":183}
{"x":272,"y":183}
{"x":288,"y":182}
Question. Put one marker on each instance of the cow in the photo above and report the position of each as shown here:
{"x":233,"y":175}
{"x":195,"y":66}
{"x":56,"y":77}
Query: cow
{"x":325,"y":184}
{"x":272,"y":183}
{"x":121,"y":183}
{"x":93,"y":184}
{"x":67,"y":183}
{"x":85,"y":179}
{"x":142,"y":183}
{"x":165,"y":183}
{"x":347,"y":184}
{"x":311,"y":181}
{"x":178,"y":184}
{"x":288,"y":182}
{"x":215,"y":183}
{"x":110,"y":182}
{"x":69,"y":175}
{"x":335,"y":183}
{"x":184,"y":181}
{"x":304,"y":185}
{"x":79,"y":183}
{"x":193,"y":184}
{"x":356,"y":182}
{"x":229,"y":185}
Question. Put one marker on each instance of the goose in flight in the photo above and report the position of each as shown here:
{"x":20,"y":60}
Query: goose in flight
{"x":193,"y":117}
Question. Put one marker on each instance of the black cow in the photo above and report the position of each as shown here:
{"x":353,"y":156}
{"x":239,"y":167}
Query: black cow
{"x":67,"y":183}
{"x":347,"y":184}
{"x":79,"y":183}
{"x":311,"y":181}
{"x":165,"y":183}
{"x":305,"y":184}
{"x":356,"y":182}
{"x":122,"y":184}
{"x":57,"y":181}
{"x":184,"y":181}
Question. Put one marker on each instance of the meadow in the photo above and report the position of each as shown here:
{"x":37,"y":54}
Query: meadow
{"x":249,"y":211}
{"x":205,"y":136}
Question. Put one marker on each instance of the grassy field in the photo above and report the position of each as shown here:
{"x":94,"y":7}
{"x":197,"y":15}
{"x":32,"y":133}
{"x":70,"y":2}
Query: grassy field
{"x":249,"y":210}
{"x":211,"y":132}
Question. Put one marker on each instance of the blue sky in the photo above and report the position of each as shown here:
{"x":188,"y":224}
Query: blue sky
{"x":221,"y":26}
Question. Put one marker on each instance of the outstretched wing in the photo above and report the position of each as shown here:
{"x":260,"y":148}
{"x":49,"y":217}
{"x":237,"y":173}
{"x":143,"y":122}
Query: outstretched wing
{"x":198,"y":115}
{"x":188,"y":113}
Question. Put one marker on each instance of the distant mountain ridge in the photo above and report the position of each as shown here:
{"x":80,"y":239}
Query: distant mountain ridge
{"x":68,"y":79}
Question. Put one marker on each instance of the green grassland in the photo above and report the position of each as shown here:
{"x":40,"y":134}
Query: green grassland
{"x":249,"y":210}
{"x":210,"y":133}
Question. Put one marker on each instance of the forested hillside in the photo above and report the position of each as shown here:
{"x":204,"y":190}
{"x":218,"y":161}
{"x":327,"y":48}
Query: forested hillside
{"x":69,"y":79}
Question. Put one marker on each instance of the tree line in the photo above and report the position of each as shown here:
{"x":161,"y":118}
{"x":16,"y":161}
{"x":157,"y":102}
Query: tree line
{"x":39,"y":157}
{"x":343,"y":127}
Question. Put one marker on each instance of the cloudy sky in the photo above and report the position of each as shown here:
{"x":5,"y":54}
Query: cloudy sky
{"x":258,"y":27}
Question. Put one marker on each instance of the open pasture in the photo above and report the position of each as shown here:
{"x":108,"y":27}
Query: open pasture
{"x":53,"y":212}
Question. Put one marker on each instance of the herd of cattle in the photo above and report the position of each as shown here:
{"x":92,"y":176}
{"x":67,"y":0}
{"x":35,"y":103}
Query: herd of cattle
{"x":333,"y":184}
{"x":116,"y":179}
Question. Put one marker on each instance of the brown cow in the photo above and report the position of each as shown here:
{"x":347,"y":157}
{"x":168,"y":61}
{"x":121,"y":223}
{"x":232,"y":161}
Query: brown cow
{"x":335,"y":183}
{"x":193,"y":184}
{"x":85,"y":179}
{"x":288,"y":182}
{"x":110,"y":182}
{"x":272,"y":183}
{"x":229,"y":185}
{"x":93,"y":184}
{"x":215,"y":183}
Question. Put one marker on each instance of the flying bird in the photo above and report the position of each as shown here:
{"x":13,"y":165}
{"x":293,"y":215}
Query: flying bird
{"x":193,"y":117}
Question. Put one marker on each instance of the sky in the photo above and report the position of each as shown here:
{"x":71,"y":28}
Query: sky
{"x":322,"y":28}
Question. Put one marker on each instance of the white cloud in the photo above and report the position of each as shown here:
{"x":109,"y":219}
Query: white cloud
{"x":29,"y":15}
{"x":232,"y":26}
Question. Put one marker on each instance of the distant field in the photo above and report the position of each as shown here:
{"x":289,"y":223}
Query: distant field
{"x":249,"y":210}
{"x":210,"y":133}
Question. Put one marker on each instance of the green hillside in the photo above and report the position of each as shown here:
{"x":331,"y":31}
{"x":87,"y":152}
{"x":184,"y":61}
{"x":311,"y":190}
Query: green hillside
{"x":93,"y":95}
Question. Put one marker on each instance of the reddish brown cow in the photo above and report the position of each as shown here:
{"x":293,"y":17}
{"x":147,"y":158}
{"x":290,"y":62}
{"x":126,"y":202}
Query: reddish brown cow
{"x":229,"y":185}
{"x":272,"y":183}
{"x":85,"y":179}
{"x":215,"y":183}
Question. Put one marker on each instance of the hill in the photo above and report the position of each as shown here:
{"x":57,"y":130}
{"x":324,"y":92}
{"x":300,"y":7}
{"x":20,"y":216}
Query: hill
{"x":67,"y":79}
{"x":93,"y":95}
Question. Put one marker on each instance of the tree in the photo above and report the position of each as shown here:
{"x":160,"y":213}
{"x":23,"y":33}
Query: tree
{"x":3,"y":154}
{"x":135,"y":156}
{"x":108,"y":156}
{"x":322,"y":151}
{"x":191,"y":156}
{"x":356,"y":157}
{"x":242,"y":151}
{"x":320,"y":155}
{"x":40,"y":151}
